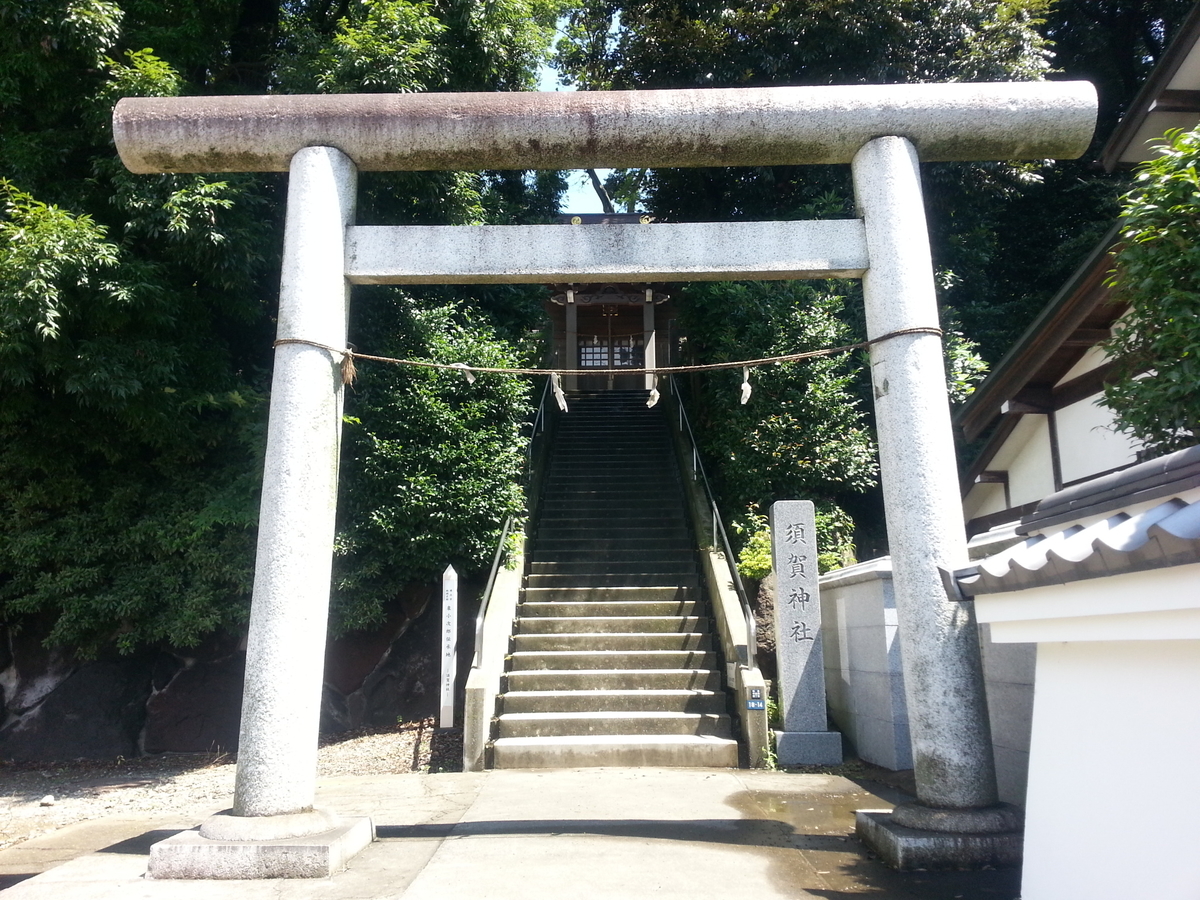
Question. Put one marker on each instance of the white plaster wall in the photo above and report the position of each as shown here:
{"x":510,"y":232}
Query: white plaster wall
{"x":1093,"y":358}
{"x":1114,"y":780}
{"x":1008,"y":671}
{"x":1026,"y":458}
{"x":864,"y":679}
{"x":864,"y":685}
{"x":1087,"y":442}
{"x":982,"y":500}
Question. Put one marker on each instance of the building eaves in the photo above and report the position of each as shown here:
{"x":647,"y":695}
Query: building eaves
{"x":1150,"y":480}
{"x":1170,"y":98}
{"x":1167,"y":534}
{"x":1037,"y":355}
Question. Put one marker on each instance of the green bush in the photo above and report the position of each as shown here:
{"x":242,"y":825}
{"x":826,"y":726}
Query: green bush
{"x":835,"y":542}
{"x":1156,"y":394}
{"x":754,"y":560}
{"x":432,"y":461}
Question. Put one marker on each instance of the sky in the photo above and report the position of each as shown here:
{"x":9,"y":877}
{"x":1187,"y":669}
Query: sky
{"x":580,"y":197}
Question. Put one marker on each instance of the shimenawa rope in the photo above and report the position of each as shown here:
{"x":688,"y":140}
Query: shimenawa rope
{"x":350,"y":371}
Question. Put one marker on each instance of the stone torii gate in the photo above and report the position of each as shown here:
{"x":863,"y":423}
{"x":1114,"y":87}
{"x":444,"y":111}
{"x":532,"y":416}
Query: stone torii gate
{"x":323,"y":141}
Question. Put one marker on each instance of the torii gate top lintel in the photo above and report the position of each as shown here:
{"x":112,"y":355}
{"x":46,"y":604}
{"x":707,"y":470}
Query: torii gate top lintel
{"x":568,"y":130}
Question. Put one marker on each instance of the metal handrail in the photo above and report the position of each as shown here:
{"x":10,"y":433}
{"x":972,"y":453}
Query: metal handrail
{"x":685,"y":427}
{"x":487,"y":592}
{"x":538,"y":427}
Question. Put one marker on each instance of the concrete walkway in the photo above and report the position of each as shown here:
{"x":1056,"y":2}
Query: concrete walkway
{"x":527,"y":835}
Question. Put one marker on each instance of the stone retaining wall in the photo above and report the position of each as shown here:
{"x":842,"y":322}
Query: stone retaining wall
{"x":55,"y":707}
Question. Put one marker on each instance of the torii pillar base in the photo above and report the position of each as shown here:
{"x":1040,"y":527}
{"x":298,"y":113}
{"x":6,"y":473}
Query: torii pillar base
{"x":242,"y":847}
{"x":907,"y":849}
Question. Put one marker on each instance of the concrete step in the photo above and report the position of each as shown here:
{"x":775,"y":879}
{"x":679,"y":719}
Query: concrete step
{"x":626,"y":420}
{"x":607,"y":527}
{"x":604,"y":442}
{"x":609,"y":594}
{"x":611,"y":625}
{"x":599,"y":434}
{"x":603,"y":451}
{"x":599,"y":494}
{"x":610,"y":567}
{"x":603,"y":437}
{"x":625,"y":555}
{"x":610,"y":487}
{"x":555,"y":724}
{"x":589,"y":515}
{"x":570,"y":554}
{"x":551,"y":542}
{"x":612,"y":659}
{"x":612,"y":535}
{"x":614,"y":579}
{"x":613,"y":701}
{"x":626,"y":456}
{"x":609,"y":514}
{"x":613,"y":680}
{"x":609,"y":479}
{"x":611,"y":460}
{"x":558,"y":610}
{"x":610,"y":641}
{"x":615,"y":750}
{"x":582,"y":532}
{"x":636,"y":499}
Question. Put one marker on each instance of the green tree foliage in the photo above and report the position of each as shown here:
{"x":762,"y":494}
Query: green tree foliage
{"x":631,"y":44}
{"x":817,"y":446}
{"x":1047,"y":215}
{"x":1157,"y":345}
{"x":1114,"y":44}
{"x":835,"y":540}
{"x":1004,"y":236}
{"x":439,"y":456}
{"x":803,"y":433}
{"x":135,"y":311}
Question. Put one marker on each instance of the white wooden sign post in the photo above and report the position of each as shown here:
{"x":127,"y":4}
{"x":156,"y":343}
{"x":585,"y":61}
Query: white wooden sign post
{"x":449,"y":645}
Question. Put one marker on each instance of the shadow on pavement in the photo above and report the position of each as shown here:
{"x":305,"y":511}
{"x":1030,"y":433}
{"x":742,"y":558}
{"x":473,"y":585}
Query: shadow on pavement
{"x":140,"y":845}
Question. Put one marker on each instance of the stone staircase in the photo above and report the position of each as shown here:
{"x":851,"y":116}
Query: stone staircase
{"x":613,"y":662}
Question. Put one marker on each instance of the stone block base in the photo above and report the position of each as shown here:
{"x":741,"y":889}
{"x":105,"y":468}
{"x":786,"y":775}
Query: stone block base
{"x":189,"y":855}
{"x":808,"y":748}
{"x":913,"y":848}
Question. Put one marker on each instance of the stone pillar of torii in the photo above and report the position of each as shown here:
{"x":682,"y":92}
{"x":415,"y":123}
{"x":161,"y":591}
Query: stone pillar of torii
{"x":324,"y":141}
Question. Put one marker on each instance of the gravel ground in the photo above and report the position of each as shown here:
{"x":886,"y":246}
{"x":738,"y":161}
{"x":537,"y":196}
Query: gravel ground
{"x":37,"y":798}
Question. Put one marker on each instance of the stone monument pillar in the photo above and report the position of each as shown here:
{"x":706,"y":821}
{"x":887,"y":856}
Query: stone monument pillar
{"x":805,"y":739}
{"x":943,"y":675}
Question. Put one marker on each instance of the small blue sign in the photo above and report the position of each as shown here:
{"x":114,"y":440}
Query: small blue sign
{"x":756,"y":704}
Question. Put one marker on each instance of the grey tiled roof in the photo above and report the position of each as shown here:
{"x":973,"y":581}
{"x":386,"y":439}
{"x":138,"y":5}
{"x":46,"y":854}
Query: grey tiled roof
{"x":1165,"y":535}
{"x":1150,"y":480}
